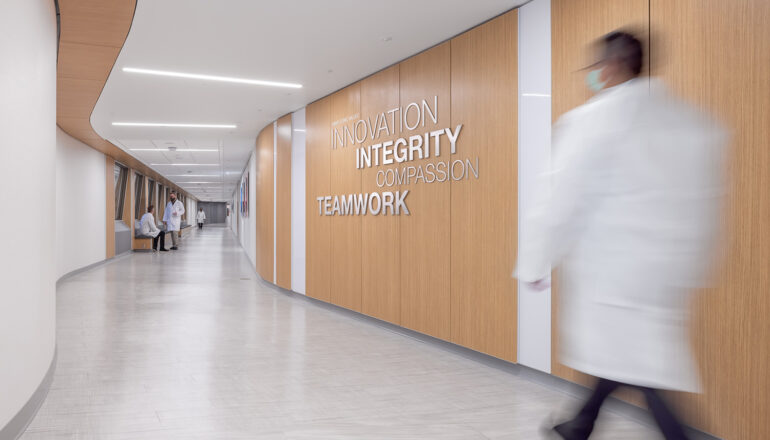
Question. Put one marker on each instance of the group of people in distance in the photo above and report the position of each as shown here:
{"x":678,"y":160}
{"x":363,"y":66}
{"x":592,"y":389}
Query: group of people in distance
{"x":172,"y":219}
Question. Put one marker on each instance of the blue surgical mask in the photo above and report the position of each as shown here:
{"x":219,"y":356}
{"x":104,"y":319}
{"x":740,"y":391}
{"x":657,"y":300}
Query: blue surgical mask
{"x":593,"y":80}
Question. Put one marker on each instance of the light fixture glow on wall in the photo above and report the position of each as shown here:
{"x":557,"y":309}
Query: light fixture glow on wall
{"x":156,"y":124}
{"x":256,"y":82}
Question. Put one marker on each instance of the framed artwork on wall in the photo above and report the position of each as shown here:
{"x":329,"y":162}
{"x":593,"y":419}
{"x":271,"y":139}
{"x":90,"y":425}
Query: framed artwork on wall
{"x":243,"y":202}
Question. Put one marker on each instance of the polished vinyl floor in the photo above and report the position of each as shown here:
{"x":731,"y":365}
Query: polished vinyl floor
{"x":191,"y":345}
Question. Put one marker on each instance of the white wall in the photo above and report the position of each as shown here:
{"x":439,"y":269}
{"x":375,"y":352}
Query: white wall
{"x":534,"y":158}
{"x":298,"y":201}
{"x":247,"y":226}
{"x":80,"y":204}
{"x":191,"y":210}
{"x":27,"y":198}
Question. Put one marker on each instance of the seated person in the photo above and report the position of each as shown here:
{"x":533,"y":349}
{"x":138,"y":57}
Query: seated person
{"x":147,"y":227}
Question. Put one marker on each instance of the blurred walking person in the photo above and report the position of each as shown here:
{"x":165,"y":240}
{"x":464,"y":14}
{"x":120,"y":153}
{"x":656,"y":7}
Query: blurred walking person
{"x":200,"y":217}
{"x":631,"y":220}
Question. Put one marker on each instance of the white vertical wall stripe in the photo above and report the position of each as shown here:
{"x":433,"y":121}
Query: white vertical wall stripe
{"x":534,"y":158}
{"x":298,"y":201}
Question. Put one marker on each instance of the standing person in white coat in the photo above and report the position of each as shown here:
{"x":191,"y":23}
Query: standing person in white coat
{"x":200,"y":217}
{"x":636,"y":184}
{"x":172,"y":218}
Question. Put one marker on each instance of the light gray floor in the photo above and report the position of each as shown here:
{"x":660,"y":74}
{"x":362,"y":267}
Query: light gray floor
{"x":189,"y":345}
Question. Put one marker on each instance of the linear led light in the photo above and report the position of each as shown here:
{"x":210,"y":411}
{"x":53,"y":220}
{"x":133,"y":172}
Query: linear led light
{"x":300,"y":130}
{"x":256,"y":82}
{"x":187,"y":164}
{"x":167,"y":150}
{"x":163,"y":124}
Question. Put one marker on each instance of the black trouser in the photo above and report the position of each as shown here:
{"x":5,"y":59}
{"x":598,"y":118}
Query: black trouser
{"x":581,"y":426}
{"x":162,"y":237}
{"x":200,"y":225}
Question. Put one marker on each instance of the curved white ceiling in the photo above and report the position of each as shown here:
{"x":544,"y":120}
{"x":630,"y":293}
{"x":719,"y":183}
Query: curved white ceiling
{"x":323,"y":45}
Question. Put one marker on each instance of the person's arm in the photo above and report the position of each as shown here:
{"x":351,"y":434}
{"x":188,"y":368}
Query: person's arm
{"x":153,"y":227}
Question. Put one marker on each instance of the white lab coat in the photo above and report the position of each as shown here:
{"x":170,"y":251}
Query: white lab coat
{"x":637,"y":179}
{"x":200,"y":216}
{"x":147,"y":225}
{"x":173,"y":215}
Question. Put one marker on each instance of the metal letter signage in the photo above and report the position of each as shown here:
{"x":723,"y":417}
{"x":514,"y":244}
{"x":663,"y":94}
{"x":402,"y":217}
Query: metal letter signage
{"x":436,"y":144}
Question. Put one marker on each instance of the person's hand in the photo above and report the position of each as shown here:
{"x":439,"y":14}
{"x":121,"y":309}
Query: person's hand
{"x":540,"y":285}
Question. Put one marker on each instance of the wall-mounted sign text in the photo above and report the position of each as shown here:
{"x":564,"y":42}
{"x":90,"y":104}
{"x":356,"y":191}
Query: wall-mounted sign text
{"x":365,"y":134}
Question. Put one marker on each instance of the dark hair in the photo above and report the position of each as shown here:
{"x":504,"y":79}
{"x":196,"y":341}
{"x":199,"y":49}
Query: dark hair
{"x":150,"y":208}
{"x":626,"y":48}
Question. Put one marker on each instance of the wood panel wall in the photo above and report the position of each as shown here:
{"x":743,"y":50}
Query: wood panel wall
{"x":425,"y":269}
{"x":264,"y":206}
{"x":318,"y":265}
{"x":380,"y":239}
{"x":484,"y":211}
{"x":445,"y":268}
{"x":345,"y":231}
{"x":717,"y":56}
{"x":283,"y":203}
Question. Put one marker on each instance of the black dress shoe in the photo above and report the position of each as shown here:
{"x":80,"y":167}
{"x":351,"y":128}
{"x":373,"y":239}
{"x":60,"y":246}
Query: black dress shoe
{"x":173,"y":248}
{"x":163,"y":250}
{"x":574,"y":430}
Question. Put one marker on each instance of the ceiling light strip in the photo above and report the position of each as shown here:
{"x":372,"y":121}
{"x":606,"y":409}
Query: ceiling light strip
{"x":166,"y":124}
{"x":186,"y":164}
{"x":172,"y":151}
{"x":256,"y":82}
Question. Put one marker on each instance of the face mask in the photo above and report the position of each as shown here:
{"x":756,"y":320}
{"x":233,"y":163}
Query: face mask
{"x":593,"y":80}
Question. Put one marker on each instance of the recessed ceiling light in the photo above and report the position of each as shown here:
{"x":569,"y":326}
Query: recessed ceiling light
{"x":256,"y":82}
{"x":164,"y":124}
{"x":177,"y":150}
